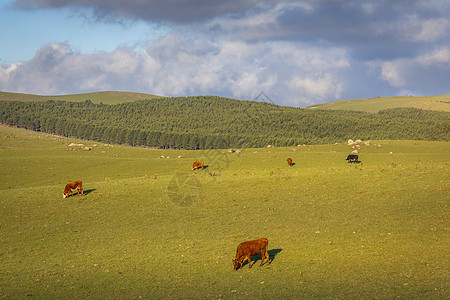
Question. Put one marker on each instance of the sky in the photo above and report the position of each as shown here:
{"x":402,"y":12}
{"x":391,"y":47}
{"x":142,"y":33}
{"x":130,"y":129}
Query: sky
{"x":298,"y":53}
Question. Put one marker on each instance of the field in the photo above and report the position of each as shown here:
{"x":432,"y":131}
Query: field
{"x":441,"y":103}
{"x":149,"y":227}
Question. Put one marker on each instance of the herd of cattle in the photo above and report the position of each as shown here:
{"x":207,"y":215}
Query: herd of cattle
{"x":245,"y":249}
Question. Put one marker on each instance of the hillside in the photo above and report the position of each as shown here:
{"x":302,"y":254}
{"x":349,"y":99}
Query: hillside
{"x":97,"y":97}
{"x":438,"y":103}
{"x":207,"y":122}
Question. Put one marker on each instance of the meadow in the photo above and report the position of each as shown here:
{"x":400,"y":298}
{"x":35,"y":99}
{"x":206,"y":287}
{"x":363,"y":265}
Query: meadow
{"x":373,"y":105}
{"x":148,"y":227}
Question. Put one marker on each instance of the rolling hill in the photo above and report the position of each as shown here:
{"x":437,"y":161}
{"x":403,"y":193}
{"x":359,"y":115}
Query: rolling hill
{"x":108,"y":97}
{"x":210,"y":122}
{"x":373,"y":105}
{"x":437,"y":103}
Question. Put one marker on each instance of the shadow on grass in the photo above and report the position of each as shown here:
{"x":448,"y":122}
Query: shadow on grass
{"x":200,"y":167}
{"x":86,"y":192}
{"x":272,"y":253}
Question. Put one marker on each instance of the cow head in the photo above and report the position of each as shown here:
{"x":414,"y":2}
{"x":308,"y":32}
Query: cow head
{"x":64,"y":195}
{"x":236,"y":264}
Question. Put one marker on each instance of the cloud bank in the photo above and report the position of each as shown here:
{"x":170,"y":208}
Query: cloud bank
{"x":297,"y":52}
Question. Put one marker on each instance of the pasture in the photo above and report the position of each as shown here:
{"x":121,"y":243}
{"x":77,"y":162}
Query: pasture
{"x":373,"y":105}
{"x":148,"y":227}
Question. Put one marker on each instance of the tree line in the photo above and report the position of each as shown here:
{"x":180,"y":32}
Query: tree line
{"x":210,"y":122}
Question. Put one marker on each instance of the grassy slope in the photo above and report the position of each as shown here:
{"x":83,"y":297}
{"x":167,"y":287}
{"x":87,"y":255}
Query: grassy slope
{"x":150,"y":227}
{"x":97,"y":97}
{"x":441,"y":102}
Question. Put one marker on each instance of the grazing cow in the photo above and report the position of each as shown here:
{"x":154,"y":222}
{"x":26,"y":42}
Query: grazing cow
{"x":289,"y":160}
{"x":74,"y":185}
{"x":197,"y":164}
{"x":249,"y":249}
{"x":352,"y":158}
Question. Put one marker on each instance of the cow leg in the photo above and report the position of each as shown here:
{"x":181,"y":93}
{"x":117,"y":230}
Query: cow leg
{"x":267,"y":257}
{"x":249,"y":261}
{"x":264,"y":255}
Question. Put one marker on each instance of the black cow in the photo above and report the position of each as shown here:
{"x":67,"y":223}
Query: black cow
{"x":352,"y":158}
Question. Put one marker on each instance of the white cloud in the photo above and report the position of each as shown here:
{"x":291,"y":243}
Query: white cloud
{"x":416,"y":29}
{"x":437,"y":57}
{"x":175,"y":66}
{"x":433,"y":30}
{"x":392,"y":72}
{"x":321,"y":87}
{"x":427,"y":72}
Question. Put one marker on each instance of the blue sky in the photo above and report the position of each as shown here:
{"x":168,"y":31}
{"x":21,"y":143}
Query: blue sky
{"x":298,"y":52}
{"x":28,"y":30}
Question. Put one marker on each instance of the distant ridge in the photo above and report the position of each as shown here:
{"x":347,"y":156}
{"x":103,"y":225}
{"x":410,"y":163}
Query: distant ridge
{"x":373,"y":105}
{"x":107,"y":97}
{"x":211,"y":122}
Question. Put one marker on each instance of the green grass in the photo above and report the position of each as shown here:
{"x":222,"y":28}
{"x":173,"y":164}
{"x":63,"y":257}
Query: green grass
{"x":150,"y":227}
{"x":97,"y":97}
{"x":441,"y":102}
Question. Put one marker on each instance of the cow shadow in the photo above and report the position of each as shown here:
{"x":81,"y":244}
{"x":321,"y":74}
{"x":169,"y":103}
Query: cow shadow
{"x":293,"y":164}
{"x":272,"y":253}
{"x":354,"y":162}
{"x":200,"y":168}
{"x":87,"y":192}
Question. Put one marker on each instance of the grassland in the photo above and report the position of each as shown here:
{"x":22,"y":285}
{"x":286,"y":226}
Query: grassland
{"x":149,"y":227}
{"x":109,"y":97}
{"x":440,"y":103}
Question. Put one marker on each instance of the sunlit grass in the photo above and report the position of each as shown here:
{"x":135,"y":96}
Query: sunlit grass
{"x":440,"y":102}
{"x":378,"y":229}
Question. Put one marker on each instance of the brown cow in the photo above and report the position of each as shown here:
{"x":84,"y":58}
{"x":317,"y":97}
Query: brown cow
{"x":249,"y":249}
{"x":197,"y":164}
{"x":74,"y":185}
{"x":289,"y":160}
